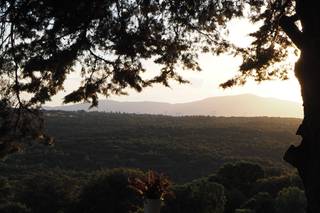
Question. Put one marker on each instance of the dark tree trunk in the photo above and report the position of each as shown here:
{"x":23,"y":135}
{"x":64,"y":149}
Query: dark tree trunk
{"x":306,"y":157}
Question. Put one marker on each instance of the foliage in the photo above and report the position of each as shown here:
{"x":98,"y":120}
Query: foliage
{"x":6,"y":192}
{"x":235,"y":198}
{"x":243,"y":211}
{"x":13,"y":207}
{"x":200,"y":196}
{"x":261,"y":203}
{"x":48,"y":192}
{"x":43,"y":42}
{"x":275,"y":184}
{"x":241,"y":175}
{"x":152,"y":185}
{"x":239,"y":180}
{"x":291,"y":199}
{"x":109,"y":191}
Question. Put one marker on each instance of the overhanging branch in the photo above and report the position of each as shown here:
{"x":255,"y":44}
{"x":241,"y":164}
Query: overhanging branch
{"x":287,"y":23}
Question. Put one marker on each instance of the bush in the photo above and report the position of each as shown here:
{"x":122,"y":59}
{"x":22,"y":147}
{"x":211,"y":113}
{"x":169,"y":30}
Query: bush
{"x":6,"y":192}
{"x":244,"y":211}
{"x":108,"y":191}
{"x":235,"y":199}
{"x":12,"y":207}
{"x":261,"y":203}
{"x":291,"y":199}
{"x":49,"y":192}
{"x":273,"y":185}
{"x":241,"y":176}
{"x":199,"y":196}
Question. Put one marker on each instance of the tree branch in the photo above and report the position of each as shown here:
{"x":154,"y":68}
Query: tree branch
{"x":100,"y":58}
{"x":287,"y":23}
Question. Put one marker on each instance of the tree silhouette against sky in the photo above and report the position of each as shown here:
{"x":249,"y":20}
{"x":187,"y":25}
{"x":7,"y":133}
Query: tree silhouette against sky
{"x":42,"y":41}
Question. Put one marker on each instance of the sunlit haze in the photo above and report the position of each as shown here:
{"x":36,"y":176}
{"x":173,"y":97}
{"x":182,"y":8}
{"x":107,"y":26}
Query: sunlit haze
{"x":215,"y":70}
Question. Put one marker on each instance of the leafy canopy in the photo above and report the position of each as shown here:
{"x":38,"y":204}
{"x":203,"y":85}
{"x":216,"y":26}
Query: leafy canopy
{"x":42,"y":41}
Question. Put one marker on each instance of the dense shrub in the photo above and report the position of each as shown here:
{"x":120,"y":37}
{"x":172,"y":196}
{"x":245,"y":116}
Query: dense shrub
{"x":6,"y":191}
{"x":49,"y":192}
{"x":261,"y":203}
{"x":273,"y":185}
{"x":200,"y":196}
{"x":109,"y":191}
{"x":14,"y":207}
{"x":242,"y":176}
{"x":291,"y":199}
{"x":235,"y":198}
{"x":244,"y":211}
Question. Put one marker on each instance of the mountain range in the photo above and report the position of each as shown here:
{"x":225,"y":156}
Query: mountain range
{"x":246,"y":105}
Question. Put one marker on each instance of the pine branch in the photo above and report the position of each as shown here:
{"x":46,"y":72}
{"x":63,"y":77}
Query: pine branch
{"x":288,"y":25}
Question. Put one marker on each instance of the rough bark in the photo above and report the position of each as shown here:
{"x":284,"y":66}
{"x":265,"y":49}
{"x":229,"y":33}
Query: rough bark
{"x":306,"y":157}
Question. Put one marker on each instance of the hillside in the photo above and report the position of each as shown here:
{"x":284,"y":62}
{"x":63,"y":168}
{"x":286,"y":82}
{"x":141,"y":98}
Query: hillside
{"x":240,"y":105}
{"x":183,"y":147}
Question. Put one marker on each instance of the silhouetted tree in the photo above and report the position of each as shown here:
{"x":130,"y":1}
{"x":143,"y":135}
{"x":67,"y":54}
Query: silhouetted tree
{"x":6,"y":192}
{"x":43,"y":41}
{"x":241,"y":176}
{"x":48,"y":192}
{"x":109,"y":191}
{"x":291,"y":199}
{"x":239,"y":180}
{"x":235,"y":198}
{"x":274,"y":185}
{"x":261,"y":203}
{"x":244,"y":211}
{"x":13,"y":207}
{"x":199,"y":196}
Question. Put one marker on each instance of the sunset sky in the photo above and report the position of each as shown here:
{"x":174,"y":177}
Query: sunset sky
{"x":204,"y":84}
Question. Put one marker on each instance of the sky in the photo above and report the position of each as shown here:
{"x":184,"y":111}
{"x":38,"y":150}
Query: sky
{"x":204,"y":84}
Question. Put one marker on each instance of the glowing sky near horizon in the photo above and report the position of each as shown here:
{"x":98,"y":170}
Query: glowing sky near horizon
{"x":204,"y":84}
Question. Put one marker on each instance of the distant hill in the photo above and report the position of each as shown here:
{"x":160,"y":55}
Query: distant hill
{"x":240,"y":105}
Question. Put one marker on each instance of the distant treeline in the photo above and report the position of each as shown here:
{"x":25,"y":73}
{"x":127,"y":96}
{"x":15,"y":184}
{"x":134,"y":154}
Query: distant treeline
{"x":183,"y":147}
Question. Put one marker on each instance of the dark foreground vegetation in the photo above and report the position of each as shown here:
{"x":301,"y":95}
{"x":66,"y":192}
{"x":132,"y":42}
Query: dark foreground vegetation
{"x":218,"y":165}
{"x":241,"y":187}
